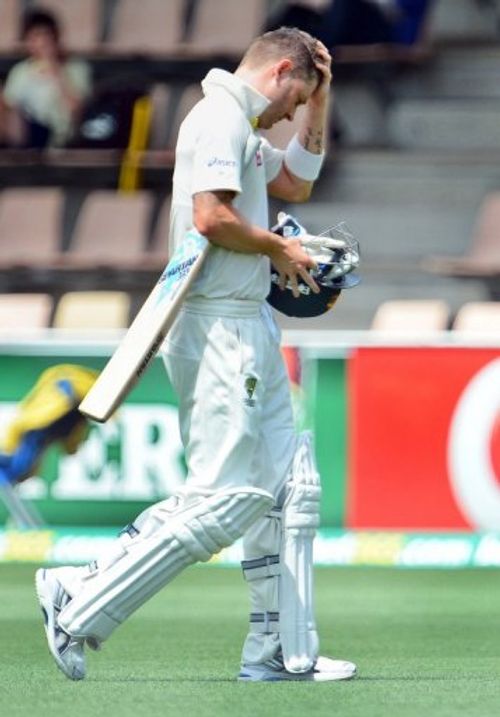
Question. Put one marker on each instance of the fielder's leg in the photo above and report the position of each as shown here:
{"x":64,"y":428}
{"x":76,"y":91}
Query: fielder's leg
{"x":24,"y":514}
{"x":282,"y":643}
{"x":164,"y":540}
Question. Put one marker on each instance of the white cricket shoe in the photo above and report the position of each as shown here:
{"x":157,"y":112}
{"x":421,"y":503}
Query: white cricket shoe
{"x":67,"y":651}
{"x":325,"y":670}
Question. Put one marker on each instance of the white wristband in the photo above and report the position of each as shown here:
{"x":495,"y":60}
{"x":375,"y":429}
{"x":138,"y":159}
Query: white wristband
{"x":302,"y":163}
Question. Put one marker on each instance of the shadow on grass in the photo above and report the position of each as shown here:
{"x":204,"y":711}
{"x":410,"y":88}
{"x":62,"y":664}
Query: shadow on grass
{"x":431,"y":678}
{"x":234,"y":680}
{"x":161,"y":680}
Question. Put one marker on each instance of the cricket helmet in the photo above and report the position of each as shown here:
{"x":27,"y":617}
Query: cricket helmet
{"x":334,"y":272}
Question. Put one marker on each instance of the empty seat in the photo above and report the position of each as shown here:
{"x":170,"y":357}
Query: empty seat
{"x":478,"y":316}
{"x":152,"y":27}
{"x":10,"y":12}
{"x":25,"y":311}
{"x":92,"y":310}
{"x":411,"y":316}
{"x":111,"y":230}
{"x":80,"y":22}
{"x":162,"y":106}
{"x":483,"y":257}
{"x":158,"y":253}
{"x":226,"y":26}
{"x":191,"y":94}
{"x":30,"y":226}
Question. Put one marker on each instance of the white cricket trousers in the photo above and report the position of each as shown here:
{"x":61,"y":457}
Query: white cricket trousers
{"x":235,"y":413}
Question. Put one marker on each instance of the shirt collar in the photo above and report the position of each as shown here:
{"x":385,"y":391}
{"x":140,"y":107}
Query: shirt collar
{"x":252,"y":102}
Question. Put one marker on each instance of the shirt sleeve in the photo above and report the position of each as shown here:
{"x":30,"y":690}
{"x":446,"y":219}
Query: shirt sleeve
{"x":13,"y":90}
{"x":80,"y":79}
{"x":218,"y":156}
{"x":273,"y":159}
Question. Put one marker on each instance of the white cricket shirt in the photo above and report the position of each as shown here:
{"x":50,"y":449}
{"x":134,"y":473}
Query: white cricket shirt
{"x":218,"y":149}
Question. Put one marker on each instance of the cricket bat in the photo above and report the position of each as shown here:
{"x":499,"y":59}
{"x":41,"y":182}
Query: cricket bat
{"x":148,"y":330}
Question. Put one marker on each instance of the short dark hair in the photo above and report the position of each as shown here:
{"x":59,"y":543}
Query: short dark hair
{"x":298,"y":45}
{"x":39,"y":18}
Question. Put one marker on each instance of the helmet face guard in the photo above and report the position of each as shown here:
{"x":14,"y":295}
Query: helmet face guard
{"x":336,"y":272}
{"x":336,"y":253}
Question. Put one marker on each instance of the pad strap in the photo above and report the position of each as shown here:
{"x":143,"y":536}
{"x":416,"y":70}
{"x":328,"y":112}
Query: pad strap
{"x":264,"y":622}
{"x":266,"y":567}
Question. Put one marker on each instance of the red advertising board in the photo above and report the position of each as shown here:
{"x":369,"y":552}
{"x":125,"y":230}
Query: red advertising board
{"x":424,"y":438}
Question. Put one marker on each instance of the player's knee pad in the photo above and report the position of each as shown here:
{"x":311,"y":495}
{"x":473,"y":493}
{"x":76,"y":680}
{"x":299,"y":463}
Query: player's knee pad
{"x":161,"y":543}
{"x":76,"y":579}
{"x":300,"y":518}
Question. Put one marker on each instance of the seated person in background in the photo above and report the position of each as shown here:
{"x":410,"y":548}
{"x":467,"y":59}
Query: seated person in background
{"x":356,"y":22}
{"x":409,"y":18}
{"x":44,"y":93}
{"x":47,"y":415}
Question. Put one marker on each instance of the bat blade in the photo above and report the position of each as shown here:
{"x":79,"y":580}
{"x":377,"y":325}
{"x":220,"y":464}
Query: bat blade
{"x":147,"y":332}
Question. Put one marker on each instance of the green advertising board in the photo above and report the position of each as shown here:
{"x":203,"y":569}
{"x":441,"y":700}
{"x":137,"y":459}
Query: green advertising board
{"x":124,"y":465}
{"x":327,"y":410}
{"x":136,"y":458}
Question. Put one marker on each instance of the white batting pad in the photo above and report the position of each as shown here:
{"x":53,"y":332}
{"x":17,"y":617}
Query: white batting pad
{"x":261,"y":569}
{"x":300,"y":516}
{"x":168,"y":537}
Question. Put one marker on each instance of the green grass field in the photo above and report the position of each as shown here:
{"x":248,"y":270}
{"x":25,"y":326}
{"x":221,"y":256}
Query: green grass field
{"x":427,"y":644}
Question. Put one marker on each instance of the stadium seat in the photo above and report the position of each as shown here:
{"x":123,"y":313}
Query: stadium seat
{"x":162,"y":106}
{"x":80,"y":22}
{"x":111,"y":230}
{"x":30,"y":227}
{"x":483,"y":258}
{"x":478,"y":316}
{"x":225,"y":26}
{"x":149,"y":27}
{"x":92,"y":310}
{"x":190,"y":96}
{"x":25,"y":311}
{"x":411,"y":316}
{"x":10,"y":12}
{"x":464,"y":21}
{"x":158,"y":252}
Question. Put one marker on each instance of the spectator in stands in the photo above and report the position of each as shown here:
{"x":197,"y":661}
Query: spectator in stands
{"x":44,"y":93}
{"x":356,"y":22}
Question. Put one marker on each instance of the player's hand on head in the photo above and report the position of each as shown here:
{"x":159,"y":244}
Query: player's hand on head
{"x":324,"y":65}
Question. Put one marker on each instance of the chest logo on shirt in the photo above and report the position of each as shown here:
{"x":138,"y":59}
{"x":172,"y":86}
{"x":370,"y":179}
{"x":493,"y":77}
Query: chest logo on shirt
{"x":259,"y":160}
{"x":220,"y":162}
